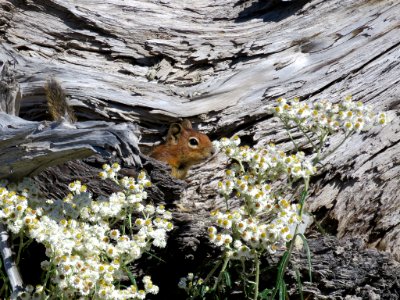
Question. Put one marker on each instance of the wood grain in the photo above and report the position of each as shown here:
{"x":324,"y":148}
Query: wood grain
{"x":220,"y":64}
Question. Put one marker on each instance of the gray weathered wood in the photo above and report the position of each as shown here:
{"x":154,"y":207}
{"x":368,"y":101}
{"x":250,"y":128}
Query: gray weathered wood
{"x":28,"y":147}
{"x":8,"y":262}
{"x":10,"y":94}
{"x":348,"y":268}
{"x":220,"y":63}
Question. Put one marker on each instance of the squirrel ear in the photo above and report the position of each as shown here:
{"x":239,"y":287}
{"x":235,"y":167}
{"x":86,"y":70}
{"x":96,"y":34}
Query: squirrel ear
{"x":174,"y":132}
{"x":186,"y":124}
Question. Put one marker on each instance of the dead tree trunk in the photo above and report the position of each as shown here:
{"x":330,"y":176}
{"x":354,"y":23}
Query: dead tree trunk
{"x":218,"y":63}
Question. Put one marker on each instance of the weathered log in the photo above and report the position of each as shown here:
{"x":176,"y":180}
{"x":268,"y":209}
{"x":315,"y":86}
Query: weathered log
{"x":29,"y":147}
{"x":344,"y":269}
{"x":221,"y":63}
{"x":54,"y":180}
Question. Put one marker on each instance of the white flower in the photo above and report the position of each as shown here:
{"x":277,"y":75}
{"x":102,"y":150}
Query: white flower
{"x":116,"y":167}
{"x":115,"y":234}
{"x":149,"y":209}
{"x":159,"y":236}
{"x":237,"y":244}
{"x":75,"y":186}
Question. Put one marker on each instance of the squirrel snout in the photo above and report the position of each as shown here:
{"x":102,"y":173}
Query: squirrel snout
{"x":184,"y":147}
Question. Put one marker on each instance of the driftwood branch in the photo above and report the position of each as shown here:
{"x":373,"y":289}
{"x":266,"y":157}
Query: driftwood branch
{"x":9,"y":263}
{"x":29,"y":147}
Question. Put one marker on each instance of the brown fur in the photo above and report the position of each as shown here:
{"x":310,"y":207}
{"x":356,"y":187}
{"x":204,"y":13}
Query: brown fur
{"x":178,"y":153}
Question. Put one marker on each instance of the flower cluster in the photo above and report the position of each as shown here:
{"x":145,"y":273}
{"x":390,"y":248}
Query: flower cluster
{"x":242,"y":233}
{"x":265,"y":221}
{"x":323,"y":117}
{"x":86,"y":255}
{"x":264,"y":163}
{"x":110,"y":172}
{"x":262,"y":180}
{"x":13,"y":207}
{"x":32,"y":293}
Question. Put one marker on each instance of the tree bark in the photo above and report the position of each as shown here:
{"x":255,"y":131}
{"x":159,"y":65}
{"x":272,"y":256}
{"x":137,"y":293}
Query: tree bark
{"x":218,"y":63}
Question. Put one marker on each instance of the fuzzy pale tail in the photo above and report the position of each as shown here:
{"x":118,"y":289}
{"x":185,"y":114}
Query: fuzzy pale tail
{"x":57,"y":103}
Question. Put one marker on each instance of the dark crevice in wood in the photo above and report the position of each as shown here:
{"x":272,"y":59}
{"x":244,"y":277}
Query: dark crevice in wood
{"x":270,"y":10}
{"x":71,"y":19}
{"x":247,"y":123}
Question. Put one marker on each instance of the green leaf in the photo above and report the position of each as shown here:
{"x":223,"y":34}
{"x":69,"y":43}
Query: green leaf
{"x":130,"y":275}
{"x":265,"y":294}
{"x":282,"y":290}
{"x":281,"y":269}
{"x":299,"y":284}
{"x":227,"y":279}
{"x":308,"y":252}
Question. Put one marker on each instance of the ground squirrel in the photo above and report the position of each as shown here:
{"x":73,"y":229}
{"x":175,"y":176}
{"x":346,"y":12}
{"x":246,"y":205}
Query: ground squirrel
{"x":183,"y":148}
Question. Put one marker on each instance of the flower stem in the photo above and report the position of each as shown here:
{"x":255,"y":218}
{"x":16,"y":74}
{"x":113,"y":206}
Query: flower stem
{"x":306,"y":135}
{"x":129,"y":273}
{"x":49,"y":272}
{"x":212,"y":272}
{"x":130,"y":223}
{"x":20,"y":246}
{"x":257,"y":280}
{"x":226,"y":260}
{"x":289,"y":134}
{"x":226,"y":202}
{"x":292,"y":242}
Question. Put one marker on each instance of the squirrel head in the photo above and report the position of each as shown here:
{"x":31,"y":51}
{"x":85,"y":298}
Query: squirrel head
{"x":183,"y":148}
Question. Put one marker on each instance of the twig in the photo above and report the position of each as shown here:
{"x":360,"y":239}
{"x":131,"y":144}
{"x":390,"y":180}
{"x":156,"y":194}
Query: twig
{"x":9,"y":264}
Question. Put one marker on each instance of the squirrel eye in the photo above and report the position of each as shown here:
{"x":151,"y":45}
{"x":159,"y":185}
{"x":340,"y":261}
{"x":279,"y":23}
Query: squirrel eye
{"x":193,"y":142}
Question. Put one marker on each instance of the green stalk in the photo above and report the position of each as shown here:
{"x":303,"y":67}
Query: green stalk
{"x":290,"y":135}
{"x":5,"y":284}
{"x":321,"y":144}
{"x":292,"y":242}
{"x":20,"y":246}
{"x":130,"y":222}
{"x":226,"y":201}
{"x":226,"y":260}
{"x":123,"y":228}
{"x":257,"y":263}
{"x":130,"y":275}
{"x":155,"y":256}
{"x":241,"y":166}
{"x":49,"y":272}
{"x":212,"y":272}
{"x":306,"y":135}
